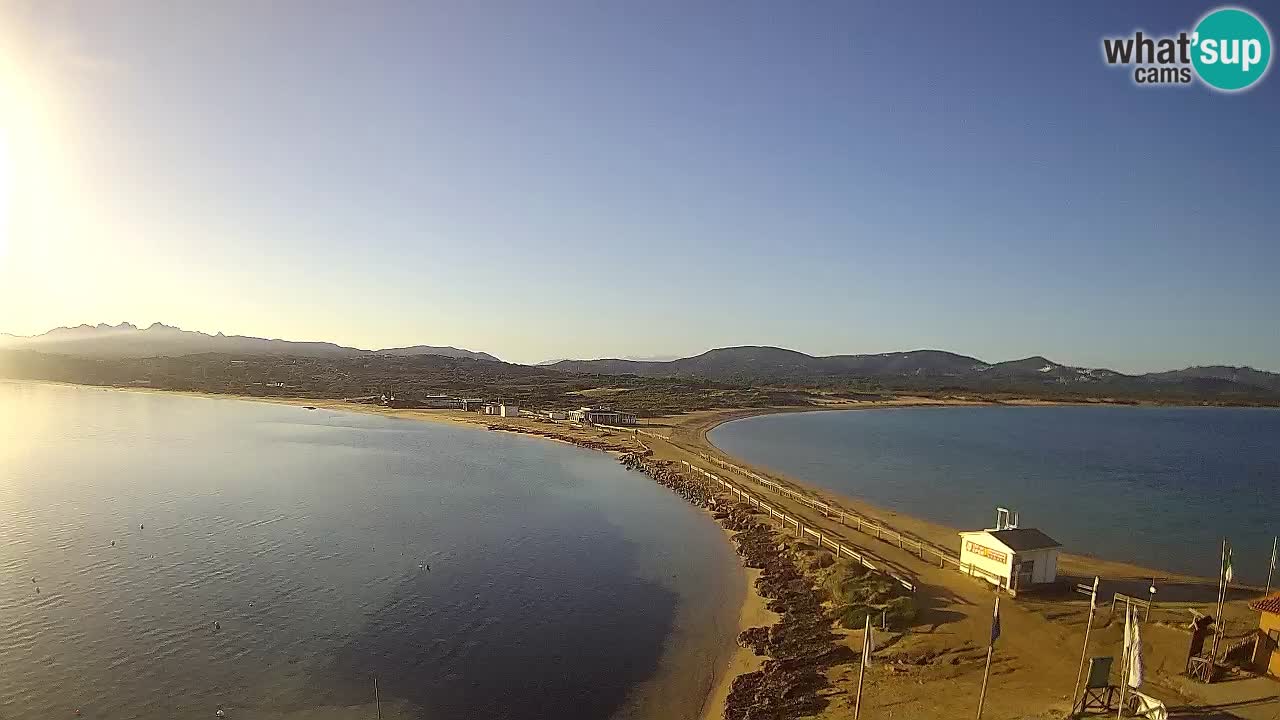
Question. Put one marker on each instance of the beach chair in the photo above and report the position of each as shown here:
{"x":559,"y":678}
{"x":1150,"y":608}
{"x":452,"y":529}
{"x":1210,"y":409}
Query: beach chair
{"x":1099,"y":693}
{"x":1145,"y":706}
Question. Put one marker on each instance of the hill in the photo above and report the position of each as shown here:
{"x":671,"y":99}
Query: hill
{"x":746,"y":376}
{"x":445,"y":351}
{"x":413,"y":378}
{"x":159,"y":340}
{"x":938,"y":371}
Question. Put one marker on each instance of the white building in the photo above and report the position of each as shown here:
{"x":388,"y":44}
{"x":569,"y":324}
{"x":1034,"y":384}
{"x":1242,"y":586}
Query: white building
{"x":593,"y":416}
{"x":556,"y":415}
{"x":509,"y":410}
{"x":1016,"y":559}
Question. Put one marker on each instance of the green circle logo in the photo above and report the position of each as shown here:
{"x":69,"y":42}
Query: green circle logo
{"x":1232,"y":49}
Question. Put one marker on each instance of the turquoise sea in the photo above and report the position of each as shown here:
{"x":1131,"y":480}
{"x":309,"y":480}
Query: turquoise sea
{"x":1159,"y":487}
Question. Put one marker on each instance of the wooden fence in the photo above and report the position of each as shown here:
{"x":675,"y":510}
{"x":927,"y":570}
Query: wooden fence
{"x":802,"y":531}
{"x":847,"y":518}
{"x":1137,"y":602}
{"x":855,"y":521}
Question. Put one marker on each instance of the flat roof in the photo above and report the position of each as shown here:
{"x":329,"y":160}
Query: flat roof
{"x":1017,"y":539}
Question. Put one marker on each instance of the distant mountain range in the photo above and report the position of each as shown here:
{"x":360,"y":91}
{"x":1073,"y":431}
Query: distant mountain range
{"x":933,"y":371}
{"x":936,"y":370}
{"x":159,"y":340}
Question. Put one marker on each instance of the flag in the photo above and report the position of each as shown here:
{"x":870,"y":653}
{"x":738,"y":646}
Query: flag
{"x":868,"y":643}
{"x":1135,"y":654}
{"x":995,"y":622}
{"x":1128,"y":636}
{"x":1226,"y":564}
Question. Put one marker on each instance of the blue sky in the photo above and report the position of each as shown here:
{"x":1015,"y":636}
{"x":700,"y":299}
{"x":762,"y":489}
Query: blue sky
{"x":588,"y":179}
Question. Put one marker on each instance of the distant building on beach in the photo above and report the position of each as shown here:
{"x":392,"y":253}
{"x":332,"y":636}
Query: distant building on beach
{"x":439,"y":401}
{"x":433,"y":402}
{"x":1012,"y":558}
{"x":502,"y":409}
{"x":1266,"y":654}
{"x":596,"y":416}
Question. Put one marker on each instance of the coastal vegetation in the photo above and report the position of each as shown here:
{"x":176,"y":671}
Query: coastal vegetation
{"x":858,"y":592}
{"x":751,"y":385}
{"x":170,"y":358}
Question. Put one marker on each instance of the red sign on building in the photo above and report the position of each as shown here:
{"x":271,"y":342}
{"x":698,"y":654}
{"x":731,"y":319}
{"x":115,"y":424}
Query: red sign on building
{"x":986,"y":552}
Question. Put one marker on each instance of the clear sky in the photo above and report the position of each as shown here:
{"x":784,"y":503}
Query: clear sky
{"x":587,"y":179}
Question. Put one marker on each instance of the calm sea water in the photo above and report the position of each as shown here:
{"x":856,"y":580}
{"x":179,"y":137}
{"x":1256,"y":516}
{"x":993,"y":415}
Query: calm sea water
{"x":559,"y":584}
{"x":1156,"y":486}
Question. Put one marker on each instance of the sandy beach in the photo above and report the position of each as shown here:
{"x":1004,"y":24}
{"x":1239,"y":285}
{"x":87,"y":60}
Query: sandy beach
{"x":738,"y":660}
{"x":933,"y":670}
{"x":1038,"y":662}
{"x":945,"y":650}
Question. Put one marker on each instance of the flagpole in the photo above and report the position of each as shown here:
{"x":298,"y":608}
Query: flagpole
{"x":862,"y":670}
{"x":1274,"y":545}
{"x":1217,"y":619}
{"x":1124,"y":658}
{"x":1084,"y":651}
{"x":982,"y":698}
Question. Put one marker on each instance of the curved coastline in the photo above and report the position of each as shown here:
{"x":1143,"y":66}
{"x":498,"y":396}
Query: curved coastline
{"x":697,"y":435}
{"x":687,"y":436}
{"x":668,"y":692}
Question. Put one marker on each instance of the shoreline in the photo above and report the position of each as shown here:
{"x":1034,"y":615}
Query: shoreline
{"x":964,"y":611}
{"x":730,"y":659}
{"x":738,"y":660}
{"x":1072,"y":561}
{"x":1036,"y":670}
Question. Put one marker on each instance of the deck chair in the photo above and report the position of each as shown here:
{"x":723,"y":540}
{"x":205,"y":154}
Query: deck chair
{"x":1099,"y":693}
{"x":1145,"y":706}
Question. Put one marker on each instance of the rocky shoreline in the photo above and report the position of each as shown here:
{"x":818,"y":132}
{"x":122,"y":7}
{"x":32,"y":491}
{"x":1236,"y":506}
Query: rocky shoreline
{"x":601,"y":445}
{"x":801,"y":646}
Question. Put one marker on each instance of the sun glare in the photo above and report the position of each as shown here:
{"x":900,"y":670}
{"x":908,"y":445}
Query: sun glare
{"x":34,"y":188}
{"x":6,"y":191}
{"x":7,"y":161}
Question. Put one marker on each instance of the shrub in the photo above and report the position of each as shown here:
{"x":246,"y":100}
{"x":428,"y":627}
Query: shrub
{"x":842,"y":581}
{"x":854,"y":616}
{"x":901,"y":612}
{"x":873,"y":590}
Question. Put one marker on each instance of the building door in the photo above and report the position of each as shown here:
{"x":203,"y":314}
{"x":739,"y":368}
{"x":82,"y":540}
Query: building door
{"x":1022,"y":574}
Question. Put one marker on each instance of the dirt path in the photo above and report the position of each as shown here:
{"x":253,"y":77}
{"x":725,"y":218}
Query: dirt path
{"x":935,"y":670}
